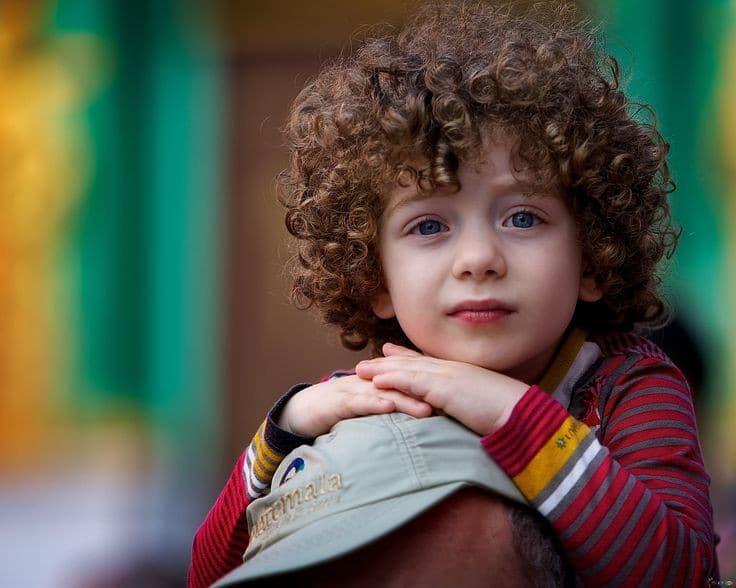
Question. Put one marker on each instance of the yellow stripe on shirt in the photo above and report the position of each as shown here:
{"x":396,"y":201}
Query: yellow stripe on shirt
{"x":266,"y":460}
{"x":553,"y":456}
{"x":564,"y":358}
{"x":263,"y":449}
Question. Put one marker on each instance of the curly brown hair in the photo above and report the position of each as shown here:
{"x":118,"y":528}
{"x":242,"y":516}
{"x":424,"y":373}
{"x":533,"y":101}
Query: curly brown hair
{"x":428,"y":93}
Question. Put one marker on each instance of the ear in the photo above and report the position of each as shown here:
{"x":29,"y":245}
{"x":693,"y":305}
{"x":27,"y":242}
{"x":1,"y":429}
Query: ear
{"x":589,"y":290}
{"x":382,"y":306}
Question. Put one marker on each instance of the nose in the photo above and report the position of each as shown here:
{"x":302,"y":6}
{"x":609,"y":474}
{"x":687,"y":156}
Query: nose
{"x":478,"y":254}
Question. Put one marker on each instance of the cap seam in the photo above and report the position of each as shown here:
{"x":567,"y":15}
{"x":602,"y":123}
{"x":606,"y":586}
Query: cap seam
{"x":411,"y":453}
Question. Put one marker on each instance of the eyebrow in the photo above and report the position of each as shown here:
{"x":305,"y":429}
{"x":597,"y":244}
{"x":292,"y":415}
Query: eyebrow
{"x":411,"y":198}
{"x":504,"y":184}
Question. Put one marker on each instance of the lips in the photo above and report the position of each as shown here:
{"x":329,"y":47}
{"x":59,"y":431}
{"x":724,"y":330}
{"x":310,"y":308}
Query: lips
{"x":480,"y":311}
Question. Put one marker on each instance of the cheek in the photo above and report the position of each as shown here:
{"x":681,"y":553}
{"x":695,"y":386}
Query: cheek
{"x":568,"y":261}
{"x":412,"y":304}
{"x":407,"y":276}
{"x":558,"y":278}
{"x":562,"y":269}
{"x":413,"y":309}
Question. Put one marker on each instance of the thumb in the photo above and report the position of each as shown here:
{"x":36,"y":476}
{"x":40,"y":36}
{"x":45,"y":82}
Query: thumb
{"x":391,"y":349}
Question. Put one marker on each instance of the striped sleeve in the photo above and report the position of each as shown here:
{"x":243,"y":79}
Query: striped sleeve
{"x":631,"y":506}
{"x":222,"y":538}
{"x":269,"y":446}
{"x":261,"y":461}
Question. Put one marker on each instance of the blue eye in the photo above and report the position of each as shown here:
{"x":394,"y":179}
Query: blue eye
{"x":429,"y":227}
{"x":523,"y":220}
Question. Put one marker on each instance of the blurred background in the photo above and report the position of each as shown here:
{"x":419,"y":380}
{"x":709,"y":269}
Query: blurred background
{"x":144,"y":327}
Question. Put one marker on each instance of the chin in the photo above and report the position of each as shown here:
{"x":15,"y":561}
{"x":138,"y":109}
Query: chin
{"x":481,"y":360}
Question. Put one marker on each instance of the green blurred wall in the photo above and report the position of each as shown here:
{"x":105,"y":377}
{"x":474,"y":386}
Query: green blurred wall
{"x":147,"y":254}
{"x":670,"y":52}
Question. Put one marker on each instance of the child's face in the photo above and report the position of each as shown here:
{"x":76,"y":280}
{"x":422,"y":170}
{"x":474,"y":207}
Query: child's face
{"x":488,"y":275}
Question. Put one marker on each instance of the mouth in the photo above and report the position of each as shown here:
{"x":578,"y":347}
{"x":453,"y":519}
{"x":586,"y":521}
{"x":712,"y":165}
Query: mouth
{"x":480,"y":311}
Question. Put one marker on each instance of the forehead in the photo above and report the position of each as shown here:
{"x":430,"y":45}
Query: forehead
{"x":494,"y":167}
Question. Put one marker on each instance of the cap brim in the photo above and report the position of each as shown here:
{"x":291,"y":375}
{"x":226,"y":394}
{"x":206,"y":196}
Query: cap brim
{"x":338,"y":534}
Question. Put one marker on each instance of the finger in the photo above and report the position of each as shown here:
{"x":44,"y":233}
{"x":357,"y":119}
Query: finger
{"x":405,"y":381}
{"x":357,"y":401}
{"x":356,"y":405}
{"x":421,"y":386}
{"x":370,"y":368}
{"x":407,"y":404}
{"x":391,"y":349}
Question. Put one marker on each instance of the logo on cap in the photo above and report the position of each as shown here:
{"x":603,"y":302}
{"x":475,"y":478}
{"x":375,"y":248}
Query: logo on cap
{"x":296,"y":466}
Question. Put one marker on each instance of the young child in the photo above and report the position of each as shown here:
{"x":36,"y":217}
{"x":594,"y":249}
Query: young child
{"x":475,"y":198}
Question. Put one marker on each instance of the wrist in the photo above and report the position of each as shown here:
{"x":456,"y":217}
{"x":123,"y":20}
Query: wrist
{"x":281,"y":416}
{"x":514,"y":394}
{"x":282,"y":419}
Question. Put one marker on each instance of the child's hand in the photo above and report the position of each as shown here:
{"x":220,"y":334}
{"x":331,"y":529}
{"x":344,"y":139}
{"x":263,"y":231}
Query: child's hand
{"x":479,"y":398}
{"x":314,"y":410}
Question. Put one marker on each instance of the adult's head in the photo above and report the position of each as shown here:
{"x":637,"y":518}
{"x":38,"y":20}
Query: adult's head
{"x":472,"y":539}
{"x":396,"y":491}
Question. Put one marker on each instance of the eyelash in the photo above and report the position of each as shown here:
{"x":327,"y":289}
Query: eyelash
{"x":428,"y":219}
{"x":536,"y":218}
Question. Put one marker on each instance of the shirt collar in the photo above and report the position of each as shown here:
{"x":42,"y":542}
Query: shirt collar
{"x":571,"y":361}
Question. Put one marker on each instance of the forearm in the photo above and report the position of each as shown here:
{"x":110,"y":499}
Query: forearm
{"x":634,"y":512}
{"x":269,"y":446}
{"x":222,"y":538}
